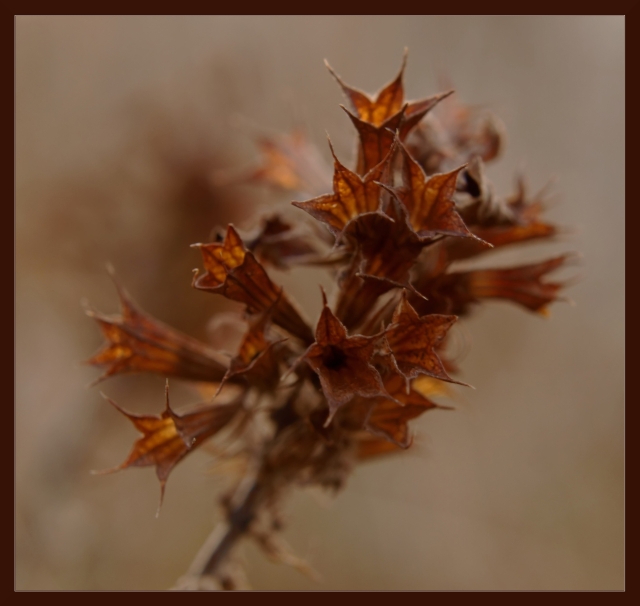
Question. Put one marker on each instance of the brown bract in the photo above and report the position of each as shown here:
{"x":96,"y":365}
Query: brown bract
{"x":524,"y":285}
{"x":343,"y":363}
{"x":282,"y":244}
{"x":290,"y":162}
{"x":417,"y":110}
{"x":387,"y":244}
{"x":352,"y":195}
{"x":374,"y":142}
{"x":387,"y":102}
{"x":385,"y":250}
{"x":386,"y":417}
{"x":136,"y":342}
{"x":431,"y":209}
{"x":168,"y":438}
{"x":413,"y":340}
{"x":387,"y":111}
{"x":499,"y":221}
{"x":358,"y":295}
{"x":258,"y":359}
{"x":454,"y":134}
{"x":389,"y":420}
{"x":232,"y":271}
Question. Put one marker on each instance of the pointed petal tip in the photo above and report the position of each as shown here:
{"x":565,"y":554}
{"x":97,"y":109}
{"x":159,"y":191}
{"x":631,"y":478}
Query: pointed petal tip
{"x":98,"y":380}
{"x":572,"y":282}
{"x":351,"y":115}
{"x":333,"y":73}
{"x":333,"y":153}
{"x":116,"y":406}
{"x":481,"y":241}
{"x":332,"y":413}
{"x":573,"y":256}
{"x":166,"y":396}
{"x":162,"y":486}
{"x":104,"y":472}
{"x":324,"y":296}
{"x":443,"y":407}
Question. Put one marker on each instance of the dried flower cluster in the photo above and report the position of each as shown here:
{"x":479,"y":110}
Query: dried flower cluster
{"x":302,"y":402}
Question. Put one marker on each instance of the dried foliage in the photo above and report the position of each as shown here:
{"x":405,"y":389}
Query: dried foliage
{"x":307,"y":401}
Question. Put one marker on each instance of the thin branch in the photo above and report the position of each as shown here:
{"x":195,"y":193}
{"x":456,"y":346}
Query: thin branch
{"x":214,"y":552}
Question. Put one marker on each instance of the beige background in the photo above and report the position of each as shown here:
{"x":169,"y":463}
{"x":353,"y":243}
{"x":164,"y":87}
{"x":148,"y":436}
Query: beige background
{"x":119,"y":121}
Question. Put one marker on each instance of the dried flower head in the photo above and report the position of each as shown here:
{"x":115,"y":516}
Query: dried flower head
{"x":303,"y":402}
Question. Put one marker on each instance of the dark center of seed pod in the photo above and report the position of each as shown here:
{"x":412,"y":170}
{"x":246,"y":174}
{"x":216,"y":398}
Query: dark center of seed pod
{"x":333,"y":357}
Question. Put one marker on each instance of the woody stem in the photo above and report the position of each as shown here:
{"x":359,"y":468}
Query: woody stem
{"x":217,"y":547}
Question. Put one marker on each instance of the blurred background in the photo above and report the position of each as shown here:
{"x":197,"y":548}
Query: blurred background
{"x":120,"y":122}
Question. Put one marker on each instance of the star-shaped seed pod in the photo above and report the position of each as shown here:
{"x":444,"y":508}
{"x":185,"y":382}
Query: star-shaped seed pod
{"x":523,"y":285}
{"x":431,"y":210}
{"x":386,"y":111}
{"x":352,"y":195}
{"x":137,"y":342}
{"x":258,"y":360}
{"x":168,"y":438}
{"x":233,"y":271}
{"x":384,"y":417}
{"x":343,"y":362}
{"x":413,"y":341}
{"x":289,"y":162}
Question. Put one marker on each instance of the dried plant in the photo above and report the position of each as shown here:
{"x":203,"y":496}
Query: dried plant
{"x":301,"y":403}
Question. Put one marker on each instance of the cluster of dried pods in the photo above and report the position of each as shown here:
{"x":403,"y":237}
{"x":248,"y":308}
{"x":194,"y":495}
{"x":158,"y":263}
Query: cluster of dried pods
{"x":301,"y":404}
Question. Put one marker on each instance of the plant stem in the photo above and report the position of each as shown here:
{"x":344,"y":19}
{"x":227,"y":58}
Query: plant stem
{"x":220,"y":542}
